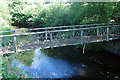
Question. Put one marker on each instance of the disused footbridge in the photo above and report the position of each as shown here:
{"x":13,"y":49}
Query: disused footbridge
{"x":49,"y":37}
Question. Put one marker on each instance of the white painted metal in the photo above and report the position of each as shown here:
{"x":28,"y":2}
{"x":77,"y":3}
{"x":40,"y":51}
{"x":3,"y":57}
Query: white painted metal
{"x":107,"y":34}
{"x":51,"y":45}
{"x":97,"y":31}
{"x":15,"y":44}
{"x":58,"y":31}
{"x":50,"y":35}
{"x":46,"y":34}
{"x":81,"y":39}
{"x":73,"y":32}
{"x":60,"y":27}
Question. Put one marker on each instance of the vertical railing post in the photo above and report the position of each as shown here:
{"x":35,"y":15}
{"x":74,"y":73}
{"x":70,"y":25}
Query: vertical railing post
{"x":51,"y":45}
{"x":107,"y":34}
{"x":97,"y":31}
{"x":73,"y":32}
{"x":81,"y":36}
{"x":46,"y":35}
{"x":15,"y":43}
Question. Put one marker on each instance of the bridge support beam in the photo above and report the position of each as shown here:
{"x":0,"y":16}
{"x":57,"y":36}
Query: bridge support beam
{"x":84,"y":48}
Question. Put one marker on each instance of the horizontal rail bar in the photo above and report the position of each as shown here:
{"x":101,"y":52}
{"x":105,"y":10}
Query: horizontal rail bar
{"x":58,"y":27}
{"x":57,"y":46}
{"x":21,"y":34}
{"x":83,"y":28}
{"x":65,"y":30}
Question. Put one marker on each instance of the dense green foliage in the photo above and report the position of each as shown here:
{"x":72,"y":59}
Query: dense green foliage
{"x":91,"y":12}
{"x":57,"y":14}
{"x":19,"y":16}
{"x":54,"y":15}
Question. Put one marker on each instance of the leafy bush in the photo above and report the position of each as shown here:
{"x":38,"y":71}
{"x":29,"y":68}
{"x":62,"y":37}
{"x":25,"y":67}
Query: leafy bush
{"x":54,"y":15}
{"x":38,"y":20}
{"x":19,"y":16}
{"x":94,"y":12}
{"x":62,"y":14}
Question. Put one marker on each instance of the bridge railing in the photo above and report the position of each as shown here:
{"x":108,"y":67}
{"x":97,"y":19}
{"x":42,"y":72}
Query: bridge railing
{"x":85,"y":35}
{"x":55,"y":38}
{"x":55,"y":28}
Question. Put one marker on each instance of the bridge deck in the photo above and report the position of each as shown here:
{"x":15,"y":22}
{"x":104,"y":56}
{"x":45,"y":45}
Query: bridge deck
{"x":60,"y":42}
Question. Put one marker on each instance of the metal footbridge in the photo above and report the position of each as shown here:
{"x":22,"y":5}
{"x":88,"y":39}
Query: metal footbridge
{"x":50,"y":37}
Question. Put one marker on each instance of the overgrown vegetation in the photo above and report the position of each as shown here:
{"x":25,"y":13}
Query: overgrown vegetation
{"x":46,"y":15}
{"x":9,"y":70}
{"x":23,"y":14}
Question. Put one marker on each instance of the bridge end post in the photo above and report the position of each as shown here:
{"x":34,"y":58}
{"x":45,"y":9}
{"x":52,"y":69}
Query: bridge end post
{"x":15,"y":43}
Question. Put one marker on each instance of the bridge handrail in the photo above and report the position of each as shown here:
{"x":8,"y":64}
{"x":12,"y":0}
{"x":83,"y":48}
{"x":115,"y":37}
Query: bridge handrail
{"x":84,"y":28}
{"x":58,"y":31}
{"x":59,"y":27}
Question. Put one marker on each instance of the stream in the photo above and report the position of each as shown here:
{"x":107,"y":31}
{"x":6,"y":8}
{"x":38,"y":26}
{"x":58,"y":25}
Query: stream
{"x":67,"y":62}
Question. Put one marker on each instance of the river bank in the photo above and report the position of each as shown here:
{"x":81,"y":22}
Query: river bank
{"x":113,"y":46}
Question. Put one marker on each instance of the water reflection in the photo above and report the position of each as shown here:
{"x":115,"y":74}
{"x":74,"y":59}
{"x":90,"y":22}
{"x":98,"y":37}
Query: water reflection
{"x":25,"y":57}
{"x":60,"y":63}
{"x":43,"y":66}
